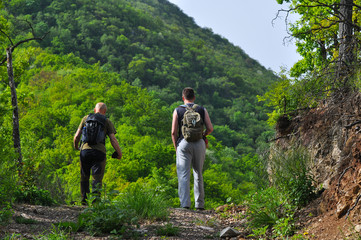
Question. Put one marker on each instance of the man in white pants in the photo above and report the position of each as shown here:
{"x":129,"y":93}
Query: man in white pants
{"x":190,"y":154}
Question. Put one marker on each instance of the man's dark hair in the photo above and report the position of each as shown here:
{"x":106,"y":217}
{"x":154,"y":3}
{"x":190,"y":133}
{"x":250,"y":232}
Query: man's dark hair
{"x":188,"y":93}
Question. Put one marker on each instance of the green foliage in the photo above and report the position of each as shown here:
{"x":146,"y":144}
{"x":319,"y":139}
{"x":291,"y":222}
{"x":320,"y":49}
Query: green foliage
{"x":149,"y":45}
{"x":106,"y":217}
{"x":168,"y":230}
{"x":55,"y":234}
{"x":260,"y":233}
{"x":68,"y":226}
{"x":145,"y":200}
{"x":33,"y":195}
{"x":292,"y":187}
{"x":270,"y":209}
{"x":319,"y":34}
{"x":5,"y":215}
{"x":12,"y":236}
{"x":290,"y":172}
{"x":22,"y":220}
{"x":8,"y":179}
{"x":286,"y":96}
{"x":136,"y":56}
{"x":137,"y":202}
{"x":314,"y":31}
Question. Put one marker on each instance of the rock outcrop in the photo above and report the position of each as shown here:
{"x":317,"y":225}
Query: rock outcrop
{"x":332,"y":135}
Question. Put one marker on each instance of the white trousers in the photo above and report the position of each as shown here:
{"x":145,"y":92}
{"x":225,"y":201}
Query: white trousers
{"x":191,"y":154}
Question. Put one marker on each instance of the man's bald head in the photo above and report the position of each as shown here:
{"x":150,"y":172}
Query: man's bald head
{"x":100,"y":108}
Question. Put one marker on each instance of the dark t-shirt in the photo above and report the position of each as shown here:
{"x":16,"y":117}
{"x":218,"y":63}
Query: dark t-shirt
{"x":180,"y":113}
{"x":109,"y":129}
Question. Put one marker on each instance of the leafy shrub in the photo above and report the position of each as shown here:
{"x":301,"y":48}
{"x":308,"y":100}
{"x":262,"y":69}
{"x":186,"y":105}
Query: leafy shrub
{"x":33,"y":195}
{"x":265,"y":208}
{"x":22,"y":220}
{"x":12,"y":236}
{"x":270,"y":209}
{"x":146,"y":201}
{"x":292,"y":187}
{"x":167,"y":230}
{"x":68,"y":226}
{"x":107,"y":217}
{"x":5,"y":215}
{"x":7,"y":179}
{"x":138,"y":201}
{"x":55,"y":234}
{"x":290,"y":173}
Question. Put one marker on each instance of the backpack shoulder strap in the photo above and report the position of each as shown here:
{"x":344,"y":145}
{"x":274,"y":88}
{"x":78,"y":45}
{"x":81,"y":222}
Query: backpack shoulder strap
{"x":195,"y":106}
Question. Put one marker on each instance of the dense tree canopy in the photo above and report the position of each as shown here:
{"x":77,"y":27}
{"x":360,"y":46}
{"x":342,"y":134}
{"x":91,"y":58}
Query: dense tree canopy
{"x":327,"y":35}
{"x":136,"y":56}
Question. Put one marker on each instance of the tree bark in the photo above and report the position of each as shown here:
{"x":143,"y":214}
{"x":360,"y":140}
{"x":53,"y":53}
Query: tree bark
{"x":14,"y":103}
{"x":346,"y":56}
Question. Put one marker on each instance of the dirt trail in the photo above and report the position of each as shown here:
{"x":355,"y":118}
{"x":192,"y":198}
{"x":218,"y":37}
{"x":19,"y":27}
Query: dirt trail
{"x":192,"y":224}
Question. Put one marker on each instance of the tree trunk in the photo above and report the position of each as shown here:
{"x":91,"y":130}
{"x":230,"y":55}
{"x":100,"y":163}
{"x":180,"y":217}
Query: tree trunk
{"x":14,"y":103}
{"x":346,"y":56}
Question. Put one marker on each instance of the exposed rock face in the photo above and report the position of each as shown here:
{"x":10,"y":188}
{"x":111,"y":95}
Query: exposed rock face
{"x":332,"y":135}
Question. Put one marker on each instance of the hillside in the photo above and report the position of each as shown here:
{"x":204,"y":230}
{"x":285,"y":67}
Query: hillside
{"x":136,"y":56}
{"x":152,"y":44}
{"x":331,"y":133}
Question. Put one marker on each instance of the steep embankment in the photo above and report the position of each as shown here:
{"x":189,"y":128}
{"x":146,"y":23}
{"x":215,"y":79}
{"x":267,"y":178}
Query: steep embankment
{"x":331,"y":132}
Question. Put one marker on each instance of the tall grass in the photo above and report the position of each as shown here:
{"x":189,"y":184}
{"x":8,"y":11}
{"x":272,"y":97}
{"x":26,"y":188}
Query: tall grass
{"x":107,"y":217}
{"x":271,"y":210}
{"x":146,"y":201}
{"x":290,"y":173}
{"x":117,"y":216}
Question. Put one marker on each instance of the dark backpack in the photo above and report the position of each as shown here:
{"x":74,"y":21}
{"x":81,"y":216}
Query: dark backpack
{"x":192,"y":124}
{"x":93,"y":131}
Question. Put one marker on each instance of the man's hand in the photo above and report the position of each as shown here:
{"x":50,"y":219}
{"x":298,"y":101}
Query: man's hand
{"x":116,"y":146}
{"x":117,"y":155}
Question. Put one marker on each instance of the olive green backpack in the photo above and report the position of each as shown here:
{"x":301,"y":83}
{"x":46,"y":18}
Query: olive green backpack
{"x":192,"y":124}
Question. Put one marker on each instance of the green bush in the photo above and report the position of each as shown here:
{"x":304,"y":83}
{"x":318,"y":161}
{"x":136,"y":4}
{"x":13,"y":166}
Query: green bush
{"x":270,"y":209}
{"x":107,"y":217}
{"x":22,"y":220}
{"x":266,"y":207}
{"x":8,"y":179}
{"x":55,"y":234}
{"x":33,"y":195}
{"x":273,"y":208}
{"x":146,"y":201}
{"x":139,"y":201}
{"x":5,"y":215}
{"x":168,"y":230}
{"x":12,"y":236}
{"x":290,"y":173}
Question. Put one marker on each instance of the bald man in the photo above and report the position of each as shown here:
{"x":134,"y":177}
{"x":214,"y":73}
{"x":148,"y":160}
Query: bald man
{"x":93,"y":156}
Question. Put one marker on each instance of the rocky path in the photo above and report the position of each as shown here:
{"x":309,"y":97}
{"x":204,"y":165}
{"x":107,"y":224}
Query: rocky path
{"x":38,"y":221}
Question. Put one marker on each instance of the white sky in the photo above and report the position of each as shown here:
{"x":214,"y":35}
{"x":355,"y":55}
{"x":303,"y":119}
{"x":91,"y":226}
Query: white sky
{"x":247,"y":24}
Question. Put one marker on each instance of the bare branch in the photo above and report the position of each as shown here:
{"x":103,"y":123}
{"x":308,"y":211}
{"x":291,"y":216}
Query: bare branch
{"x":28,"y":40}
{"x":7,"y":36}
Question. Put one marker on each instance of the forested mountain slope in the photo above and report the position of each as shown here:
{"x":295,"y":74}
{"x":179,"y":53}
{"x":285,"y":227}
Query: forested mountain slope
{"x":153,"y":44}
{"x":136,"y":56}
